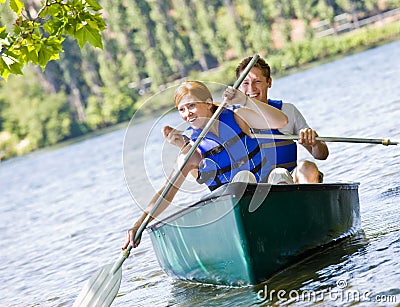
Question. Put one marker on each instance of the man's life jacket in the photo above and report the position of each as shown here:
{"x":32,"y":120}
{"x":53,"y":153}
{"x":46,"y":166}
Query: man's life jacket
{"x":284,"y":151}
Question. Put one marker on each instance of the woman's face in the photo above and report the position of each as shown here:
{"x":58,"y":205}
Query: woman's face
{"x":195,"y":112}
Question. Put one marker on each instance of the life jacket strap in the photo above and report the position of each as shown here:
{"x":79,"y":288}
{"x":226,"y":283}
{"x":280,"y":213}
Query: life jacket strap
{"x":239,"y":163}
{"x":217,"y":149}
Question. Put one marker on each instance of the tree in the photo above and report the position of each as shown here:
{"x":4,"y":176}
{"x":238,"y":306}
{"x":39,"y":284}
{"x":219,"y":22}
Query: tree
{"x":232,"y":25}
{"x":187,"y":17}
{"x":38,"y":39}
{"x":34,"y":118}
{"x":256,"y":17}
{"x":170,"y":41}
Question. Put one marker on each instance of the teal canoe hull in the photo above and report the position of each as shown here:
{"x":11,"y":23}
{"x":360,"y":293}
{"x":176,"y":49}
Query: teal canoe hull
{"x":243,"y":234}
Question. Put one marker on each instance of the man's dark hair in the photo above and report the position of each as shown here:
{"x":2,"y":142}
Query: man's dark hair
{"x":261,"y":64}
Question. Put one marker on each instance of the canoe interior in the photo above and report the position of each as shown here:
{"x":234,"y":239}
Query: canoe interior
{"x":223,"y":240}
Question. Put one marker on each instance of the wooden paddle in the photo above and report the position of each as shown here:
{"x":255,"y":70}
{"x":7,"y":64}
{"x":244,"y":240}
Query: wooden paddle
{"x":101,"y":289}
{"x":385,"y":142}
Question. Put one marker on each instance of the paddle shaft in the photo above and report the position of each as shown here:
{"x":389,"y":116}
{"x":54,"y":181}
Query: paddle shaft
{"x":385,"y":142}
{"x":175,"y":177}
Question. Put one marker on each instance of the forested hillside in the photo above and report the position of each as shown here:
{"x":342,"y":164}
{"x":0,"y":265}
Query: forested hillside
{"x":148,"y":44}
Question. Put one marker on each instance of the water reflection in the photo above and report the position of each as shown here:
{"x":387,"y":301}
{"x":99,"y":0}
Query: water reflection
{"x":321,"y":272}
{"x":318,"y":273}
{"x":196,"y":294}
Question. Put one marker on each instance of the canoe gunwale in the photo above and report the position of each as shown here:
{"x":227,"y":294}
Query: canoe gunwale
{"x":231,"y":190}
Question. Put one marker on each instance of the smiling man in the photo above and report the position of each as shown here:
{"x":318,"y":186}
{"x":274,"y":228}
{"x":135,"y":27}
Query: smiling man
{"x":256,"y":86}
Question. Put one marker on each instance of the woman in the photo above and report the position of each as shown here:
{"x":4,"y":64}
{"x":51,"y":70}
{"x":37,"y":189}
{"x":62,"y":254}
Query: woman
{"x":226,"y":150}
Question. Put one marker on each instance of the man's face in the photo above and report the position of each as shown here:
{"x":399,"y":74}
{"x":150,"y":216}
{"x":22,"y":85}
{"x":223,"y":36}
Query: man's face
{"x":256,"y":85}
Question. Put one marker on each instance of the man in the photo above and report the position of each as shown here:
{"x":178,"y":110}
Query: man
{"x":256,"y":85}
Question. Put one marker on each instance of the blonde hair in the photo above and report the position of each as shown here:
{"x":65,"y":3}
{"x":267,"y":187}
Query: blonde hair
{"x":192,"y":88}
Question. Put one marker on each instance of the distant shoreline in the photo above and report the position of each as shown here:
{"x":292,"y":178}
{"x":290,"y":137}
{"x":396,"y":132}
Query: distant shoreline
{"x":367,"y":38}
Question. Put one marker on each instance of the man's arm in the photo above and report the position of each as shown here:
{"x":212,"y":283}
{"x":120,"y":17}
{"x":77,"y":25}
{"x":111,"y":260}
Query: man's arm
{"x":318,"y":149}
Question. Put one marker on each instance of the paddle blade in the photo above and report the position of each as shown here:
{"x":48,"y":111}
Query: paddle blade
{"x":101,"y":288}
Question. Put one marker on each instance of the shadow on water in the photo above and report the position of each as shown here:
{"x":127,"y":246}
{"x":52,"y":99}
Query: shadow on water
{"x":316,"y":273}
{"x":391,"y":192}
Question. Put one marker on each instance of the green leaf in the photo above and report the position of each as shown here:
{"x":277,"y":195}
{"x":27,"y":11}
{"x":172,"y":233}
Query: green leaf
{"x":4,"y":69}
{"x":16,"y":6}
{"x":93,"y":25}
{"x":53,"y":27}
{"x":44,"y":57}
{"x":94,"y":5}
{"x":54,"y":9}
{"x":16,"y":68}
{"x":49,"y":50}
{"x":4,"y":73}
{"x":90,"y":35}
{"x":33,"y":56}
{"x":11,"y":56}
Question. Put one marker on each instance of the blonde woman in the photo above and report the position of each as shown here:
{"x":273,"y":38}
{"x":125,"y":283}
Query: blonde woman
{"x":226,"y":150}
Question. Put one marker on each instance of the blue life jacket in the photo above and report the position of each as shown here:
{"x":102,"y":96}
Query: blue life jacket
{"x":227,"y":154}
{"x":284,"y":151}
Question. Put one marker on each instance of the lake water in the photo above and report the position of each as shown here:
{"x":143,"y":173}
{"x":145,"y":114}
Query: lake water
{"x":64,"y":212}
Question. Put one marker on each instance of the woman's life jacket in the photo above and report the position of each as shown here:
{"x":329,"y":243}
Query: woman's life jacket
{"x":232,"y":151}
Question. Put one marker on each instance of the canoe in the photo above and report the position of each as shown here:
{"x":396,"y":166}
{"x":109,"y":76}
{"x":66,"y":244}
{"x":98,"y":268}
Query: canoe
{"x":242,"y":234}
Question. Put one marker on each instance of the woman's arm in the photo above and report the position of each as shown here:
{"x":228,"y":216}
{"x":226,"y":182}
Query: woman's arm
{"x":190,"y":166}
{"x":175,"y":137}
{"x":254,"y":113}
